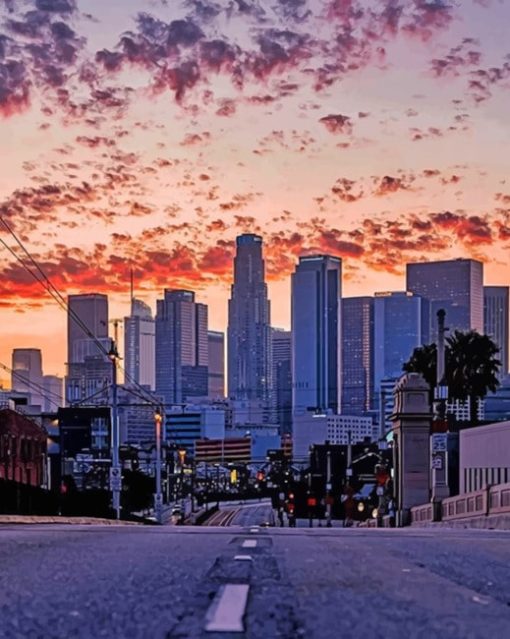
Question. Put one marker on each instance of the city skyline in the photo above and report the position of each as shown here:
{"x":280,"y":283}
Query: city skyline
{"x":381,"y":149}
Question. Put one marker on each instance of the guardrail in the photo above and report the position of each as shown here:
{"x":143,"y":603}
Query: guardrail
{"x":492,"y":500}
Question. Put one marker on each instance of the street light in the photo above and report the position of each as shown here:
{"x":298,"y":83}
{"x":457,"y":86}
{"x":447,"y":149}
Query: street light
{"x":115,"y":472}
{"x":158,"y":502}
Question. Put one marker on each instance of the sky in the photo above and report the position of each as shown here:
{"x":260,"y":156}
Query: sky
{"x":147,"y":134}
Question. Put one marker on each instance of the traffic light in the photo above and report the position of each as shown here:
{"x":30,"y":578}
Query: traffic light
{"x":182,"y":456}
{"x":233,"y":476}
{"x":290,"y":504}
{"x":261,"y":475}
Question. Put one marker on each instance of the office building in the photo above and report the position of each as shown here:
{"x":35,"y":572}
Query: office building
{"x":140,"y":345}
{"x":495,"y":321}
{"x":27,"y":374}
{"x":216,"y":345}
{"x":282,"y":378}
{"x":89,"y":371}
{"x":182,"y":350}
{"x":350,"y":429}
{"x":316,"y":333}
{"x":53,"y":393}
{"x":357,"y":355}
{"x":249,"y":333}
{"x":453,"y":285}
{"x":398,"y":330}
{"x":184,"y":425}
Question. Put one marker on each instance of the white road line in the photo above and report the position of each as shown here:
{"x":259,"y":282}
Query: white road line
{"x":243,"y":558}
{"x":254,"y":529}
{"x":227,"y":610}
{"x":249,"y":543}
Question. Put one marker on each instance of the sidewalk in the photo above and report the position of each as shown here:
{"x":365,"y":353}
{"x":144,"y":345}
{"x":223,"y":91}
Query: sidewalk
{"x":80,"y":521}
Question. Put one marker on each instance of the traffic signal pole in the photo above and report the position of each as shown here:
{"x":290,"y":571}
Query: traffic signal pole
{"x":116,"y":471}
{"x":158,"y":501}
{"x":328,"y":489}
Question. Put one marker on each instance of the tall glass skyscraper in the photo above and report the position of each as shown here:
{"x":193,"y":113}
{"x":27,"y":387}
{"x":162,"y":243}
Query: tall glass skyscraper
{"x":357,"y":355}
{"x":453,"y":285}
{"x":140,"y":345}
{"x":399,"y":327}
{"x":27,"y":374}
{"x":216,"y":341}
{"x":89,"y":371}
{"x":316,"y":333}
{"x":249,"y":319}
{"x":495,"y":320}
{"x":282,"y":378}
{"x":182,"y":351}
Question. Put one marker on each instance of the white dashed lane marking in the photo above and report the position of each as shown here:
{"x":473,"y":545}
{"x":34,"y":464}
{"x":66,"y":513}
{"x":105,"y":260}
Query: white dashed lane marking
{"x":227,"y":610}
{"x":249,"y":543}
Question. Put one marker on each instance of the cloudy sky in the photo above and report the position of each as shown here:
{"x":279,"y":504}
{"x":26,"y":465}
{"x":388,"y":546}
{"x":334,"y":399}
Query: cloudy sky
{"x":147,"y":134}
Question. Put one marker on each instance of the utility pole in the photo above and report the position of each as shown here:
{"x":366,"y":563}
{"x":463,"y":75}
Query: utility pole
{"x":328,"y":488}
{"x":115,"y":471}
{"x":158,"y":498}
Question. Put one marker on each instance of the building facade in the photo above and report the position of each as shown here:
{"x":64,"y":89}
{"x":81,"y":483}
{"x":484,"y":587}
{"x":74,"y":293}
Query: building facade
{"x":357,"y":355}
{"x":495,"y":321}
{"x":182,"y":350}
{"x":453,"y":285}
{"x":399,"y":328}
{"x":140,"y":345}
{"x":88,"y":368}
{"x":27,"y":374}
{"x":249,"y":332}
{"x":216,"y":346}
{"x":53,"y":393}
{"x":282,"y":378}
{"x":184,"y":425}
{"x":350,"y":429}
{"x":316,"y":333}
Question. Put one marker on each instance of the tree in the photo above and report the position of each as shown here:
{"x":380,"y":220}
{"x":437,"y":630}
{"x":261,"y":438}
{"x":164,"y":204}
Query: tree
{"x":471,"y":367}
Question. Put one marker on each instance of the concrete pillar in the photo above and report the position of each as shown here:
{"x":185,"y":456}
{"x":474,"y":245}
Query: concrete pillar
{"x":412,"y":419}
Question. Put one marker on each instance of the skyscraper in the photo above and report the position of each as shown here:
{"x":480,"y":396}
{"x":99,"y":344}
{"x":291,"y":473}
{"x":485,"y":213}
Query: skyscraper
{"x":27,"y":374}
{"x":216,"y":345}
{"x":182,"y":351}
{"x":357,"y":355}
{"x":89,"y":371}
{"x":53,"y":390}
{"x":398,"y":330}
{"x":140,"y":345}
{"x":316,"y":333}
{"x":282,"y":378}
{"x":249,"y":333}
{"x":495,"y":320}
{"x":454,"y":285}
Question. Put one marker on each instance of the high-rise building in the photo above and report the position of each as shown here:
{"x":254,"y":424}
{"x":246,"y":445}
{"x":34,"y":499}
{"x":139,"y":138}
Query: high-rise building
{"x":249,"y":332}
{"x":316,"y":333}
{"x":27,"y":374}
{"x":216,"y":345}
{"x":54,"y":393}
{"x":182,"y":351}
{"x":495,"y":320}
{"x":398,"y":330}
{"x":357,"y":355}
{"x":89,"y":371}
{"x":140,"y":345}
{"x":282,"y":378}
{"x":453,"y":285}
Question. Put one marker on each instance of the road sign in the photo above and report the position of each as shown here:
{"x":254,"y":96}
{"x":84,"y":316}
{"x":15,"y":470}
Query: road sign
{"x":439,"y":442}
{"x":348,"y":472}
{"x":116,"y":478}
{"x":380,"y":491}
{"x":437,"y":462}
{"x":158,"y":499}
{"x":328,"y":486}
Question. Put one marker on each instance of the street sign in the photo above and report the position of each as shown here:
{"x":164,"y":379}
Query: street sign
{"x":328,"y":486}
{"x":380,"y":491}
{"x":348,"y":472}
{"x":158,"y":499}
{"x":116,"y":478}
{"x":439,"y":442}
{"x":437,"y":462}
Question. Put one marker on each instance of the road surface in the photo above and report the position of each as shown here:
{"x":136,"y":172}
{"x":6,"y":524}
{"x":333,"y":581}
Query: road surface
{"x":64,"y":582}
{"x":257,"y":514}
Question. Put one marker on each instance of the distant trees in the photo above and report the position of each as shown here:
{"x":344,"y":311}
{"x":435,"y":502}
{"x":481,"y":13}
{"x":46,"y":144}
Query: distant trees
{"x":471,"y":367}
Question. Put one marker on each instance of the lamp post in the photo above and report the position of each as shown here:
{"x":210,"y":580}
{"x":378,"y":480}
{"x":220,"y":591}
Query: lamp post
{"x":217,"y":486}
{"x":158,"y":499}
{"x":115,"y":472}
{"x":328,"y":488}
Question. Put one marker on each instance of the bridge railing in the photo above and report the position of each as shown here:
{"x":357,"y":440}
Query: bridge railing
{"x":492,"y":500}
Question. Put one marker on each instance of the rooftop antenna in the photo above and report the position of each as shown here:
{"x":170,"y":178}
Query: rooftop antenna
{"x":132,"y":288}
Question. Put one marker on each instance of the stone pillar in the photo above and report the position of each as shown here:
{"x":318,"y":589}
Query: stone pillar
{"x":412,"y":419}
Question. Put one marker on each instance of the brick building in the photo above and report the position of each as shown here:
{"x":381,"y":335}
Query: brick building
{"x":22,"y":449}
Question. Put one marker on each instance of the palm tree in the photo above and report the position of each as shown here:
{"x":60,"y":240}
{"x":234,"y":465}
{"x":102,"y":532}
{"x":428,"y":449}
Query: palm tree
{"x":471,"y":367}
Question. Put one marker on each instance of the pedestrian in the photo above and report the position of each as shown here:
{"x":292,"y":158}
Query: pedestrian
{"x":349,"y":505}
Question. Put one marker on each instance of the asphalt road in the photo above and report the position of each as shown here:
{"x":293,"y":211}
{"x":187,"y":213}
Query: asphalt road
{"x":61,"y":582}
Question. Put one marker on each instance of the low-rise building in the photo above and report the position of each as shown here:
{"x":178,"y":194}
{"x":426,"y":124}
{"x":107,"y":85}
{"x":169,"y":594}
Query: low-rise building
{"x":22,"y":449}
{"x":484,"y":456}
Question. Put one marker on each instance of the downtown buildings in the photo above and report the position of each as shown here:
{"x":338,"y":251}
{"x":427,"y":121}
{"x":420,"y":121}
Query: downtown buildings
{"x":249,"y":330}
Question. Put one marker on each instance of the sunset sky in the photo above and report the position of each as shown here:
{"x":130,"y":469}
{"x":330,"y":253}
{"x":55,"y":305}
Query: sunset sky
{"x":148,"y":134}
